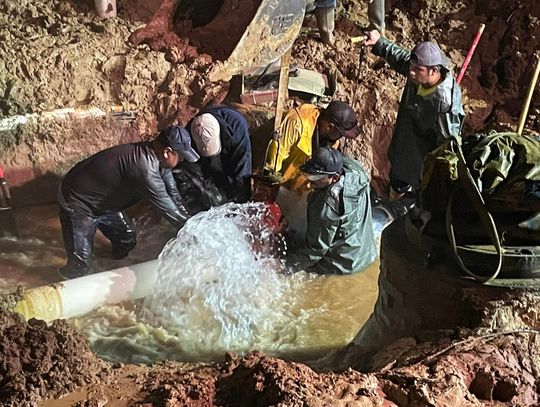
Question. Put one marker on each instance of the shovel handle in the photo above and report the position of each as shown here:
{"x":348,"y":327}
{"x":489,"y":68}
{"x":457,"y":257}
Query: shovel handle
{"x":470,"y":54}
{"x":528,"y":99}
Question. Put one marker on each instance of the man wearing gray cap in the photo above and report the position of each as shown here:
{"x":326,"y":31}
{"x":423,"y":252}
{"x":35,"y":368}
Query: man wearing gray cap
{"x":95,"y":192}
{"x":339,"y":238}
{"x":430,"y":110}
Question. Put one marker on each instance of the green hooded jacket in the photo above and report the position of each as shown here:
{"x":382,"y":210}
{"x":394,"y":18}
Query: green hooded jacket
{"x":339,"y":238}
{"x":423,"y":122}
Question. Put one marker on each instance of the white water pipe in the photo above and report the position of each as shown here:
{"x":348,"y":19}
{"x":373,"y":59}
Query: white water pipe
{"x":11,"y":122}
{"x":79,"y":296}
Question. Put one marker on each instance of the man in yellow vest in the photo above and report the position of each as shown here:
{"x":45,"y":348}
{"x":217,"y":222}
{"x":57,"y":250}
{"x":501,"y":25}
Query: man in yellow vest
{"x":303,"y":130}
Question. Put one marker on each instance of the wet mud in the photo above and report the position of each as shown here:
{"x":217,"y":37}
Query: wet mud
{"x":40,"y":363}
{"x":59,"y":54}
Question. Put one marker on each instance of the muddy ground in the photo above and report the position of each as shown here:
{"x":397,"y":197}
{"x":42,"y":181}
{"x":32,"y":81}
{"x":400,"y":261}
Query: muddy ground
{"x":443,"y":369}
{"x":57,"y":54}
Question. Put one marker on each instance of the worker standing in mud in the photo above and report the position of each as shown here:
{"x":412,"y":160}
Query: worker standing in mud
{"x":339,"y":238}
{"x":430,"y":110}
{"x":325,"y":11}
{"x":220,"y":136}
{"x":94,"y":193}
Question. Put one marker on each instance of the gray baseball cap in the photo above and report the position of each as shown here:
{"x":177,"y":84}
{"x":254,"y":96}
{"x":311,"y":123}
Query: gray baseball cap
{"x":429,"y":54}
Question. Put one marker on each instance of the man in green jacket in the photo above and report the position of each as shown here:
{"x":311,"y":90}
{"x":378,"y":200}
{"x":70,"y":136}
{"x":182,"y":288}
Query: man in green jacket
{"x":429,"y":112}
{"x":339,"y":238}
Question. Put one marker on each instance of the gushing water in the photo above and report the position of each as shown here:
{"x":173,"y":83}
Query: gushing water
{"x":220,"y":286}
{"x":313,"y":316}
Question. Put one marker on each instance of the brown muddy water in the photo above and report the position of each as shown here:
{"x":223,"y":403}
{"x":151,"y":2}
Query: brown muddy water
{"x":323,"y":313}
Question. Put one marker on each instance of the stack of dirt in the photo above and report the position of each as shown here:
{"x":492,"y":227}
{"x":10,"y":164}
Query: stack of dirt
{"x":38,"y":361}
{"x":58,"y":54}
{"x":477,"y":371}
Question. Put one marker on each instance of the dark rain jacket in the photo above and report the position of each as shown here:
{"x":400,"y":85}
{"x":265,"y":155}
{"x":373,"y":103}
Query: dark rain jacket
{"x":118,"y":177}
{"x":230,"y":170}
{"x":423,"y":122}
{"x":339,"y":238}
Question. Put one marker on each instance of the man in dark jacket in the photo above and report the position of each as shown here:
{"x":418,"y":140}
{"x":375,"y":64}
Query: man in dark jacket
{"x":430,"y":109}
{"x":339,"y":238}
{"x":220,"y":136}
{"x":94,"y":193}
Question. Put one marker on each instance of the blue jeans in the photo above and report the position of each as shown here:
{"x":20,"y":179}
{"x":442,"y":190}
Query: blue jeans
{"x":79,"y":229}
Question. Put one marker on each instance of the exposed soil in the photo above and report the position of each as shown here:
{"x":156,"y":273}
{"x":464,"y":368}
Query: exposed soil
{"x":59,"y":54}
{"x":56,"y":54}
{"x":39,"y":362}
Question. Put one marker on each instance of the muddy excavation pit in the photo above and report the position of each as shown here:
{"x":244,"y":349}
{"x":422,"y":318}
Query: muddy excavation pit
{"x":157,"y":64}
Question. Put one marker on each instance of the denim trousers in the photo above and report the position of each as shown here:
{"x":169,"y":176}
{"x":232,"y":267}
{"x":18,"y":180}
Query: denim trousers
{"x":79,"y":230}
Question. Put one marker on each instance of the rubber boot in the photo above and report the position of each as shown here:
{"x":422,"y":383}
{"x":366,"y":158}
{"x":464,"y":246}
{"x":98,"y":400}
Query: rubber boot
{"x":310,"y":6}
{"x":325,"y":23}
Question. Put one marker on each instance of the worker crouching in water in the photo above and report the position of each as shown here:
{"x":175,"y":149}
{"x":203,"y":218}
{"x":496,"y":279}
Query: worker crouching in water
{"x":220,"y":136}
{"x":339,"y":238}
{"x":302,"y":131}
{"x":94,"y":193}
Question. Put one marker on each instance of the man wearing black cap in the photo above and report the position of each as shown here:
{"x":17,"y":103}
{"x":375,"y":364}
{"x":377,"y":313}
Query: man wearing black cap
{"x":430,"y":109}
{"x":339,"y":238}
{"x":303,"y":130}
{"x":94,"y":193}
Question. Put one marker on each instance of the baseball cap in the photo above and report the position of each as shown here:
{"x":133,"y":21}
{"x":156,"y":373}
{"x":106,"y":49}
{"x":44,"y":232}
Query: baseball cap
{"x":206,"y":134}
{"x":428,"y":54}
{"x":343,"y":116}
{"x":324,"y":161}
{"x":179,"y":140}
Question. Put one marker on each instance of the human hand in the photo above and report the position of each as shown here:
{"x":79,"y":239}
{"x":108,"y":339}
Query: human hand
{"x":372,"y":37}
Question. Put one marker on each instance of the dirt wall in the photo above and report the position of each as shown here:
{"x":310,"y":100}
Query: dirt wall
{"x":59,"y":54}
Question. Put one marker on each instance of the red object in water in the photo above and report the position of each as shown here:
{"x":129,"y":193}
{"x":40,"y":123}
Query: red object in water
{"x":1,"y":172}
{"x":273,"y":217}
{"x":470,"y":54}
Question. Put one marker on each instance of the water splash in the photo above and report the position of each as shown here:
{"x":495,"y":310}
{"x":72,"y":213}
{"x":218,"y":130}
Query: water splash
{"x":215,"y":294}
{"x":221,"y":288}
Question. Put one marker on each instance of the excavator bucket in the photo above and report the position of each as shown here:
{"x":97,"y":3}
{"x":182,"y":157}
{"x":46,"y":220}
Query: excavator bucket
{"x":239,"y":34}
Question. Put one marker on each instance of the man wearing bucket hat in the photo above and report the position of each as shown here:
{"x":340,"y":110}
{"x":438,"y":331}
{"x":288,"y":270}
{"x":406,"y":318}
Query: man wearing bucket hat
{"x":303,"y":130}
{"x":339,"y":238}
{"x":430,"y":110}
{"x":220,"y":135}
{"x":95,"y":192}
